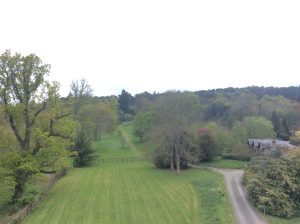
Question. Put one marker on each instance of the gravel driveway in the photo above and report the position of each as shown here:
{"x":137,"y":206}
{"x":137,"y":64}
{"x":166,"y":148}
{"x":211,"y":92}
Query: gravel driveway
{"x":244,"y":211}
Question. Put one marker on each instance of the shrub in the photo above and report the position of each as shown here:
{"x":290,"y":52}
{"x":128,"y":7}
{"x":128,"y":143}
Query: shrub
{"x":162,"y":160}
{"x":207,"y":147}
{"x":273,"y":183}
{"x":239,"y":157}
{"x":295,"y":141}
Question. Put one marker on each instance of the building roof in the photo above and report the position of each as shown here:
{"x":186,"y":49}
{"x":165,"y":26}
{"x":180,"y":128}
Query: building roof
{"x":267,"y":143}
{"x":254,"y":142}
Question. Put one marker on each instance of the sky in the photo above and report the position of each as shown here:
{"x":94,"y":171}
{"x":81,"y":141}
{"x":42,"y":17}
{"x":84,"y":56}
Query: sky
{"x":158,"y":45}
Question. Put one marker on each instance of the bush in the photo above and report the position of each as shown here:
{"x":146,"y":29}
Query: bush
{"x":29,"y":196}
{"x":239,"y":157}
{"x":273,"y":183}
{"x":239,"y":152}
{"x":207,"y":147}
{"x":284,"y":136}
{"x":162,"y":161}
{"x":295,"y":141}
{"x":123,"y":117}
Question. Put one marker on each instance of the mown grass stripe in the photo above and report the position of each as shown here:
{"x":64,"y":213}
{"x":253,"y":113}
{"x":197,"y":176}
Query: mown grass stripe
{"x":160,"y":184}
{"x":127,"y":193}
{"x":155,"y":194}
{"x":139,"y":196}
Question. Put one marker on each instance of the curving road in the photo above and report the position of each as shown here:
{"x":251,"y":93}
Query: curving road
{"x":245,"y":213}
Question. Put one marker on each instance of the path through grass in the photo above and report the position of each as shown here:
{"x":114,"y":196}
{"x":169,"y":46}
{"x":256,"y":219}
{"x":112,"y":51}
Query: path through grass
{"x":133,"y":192}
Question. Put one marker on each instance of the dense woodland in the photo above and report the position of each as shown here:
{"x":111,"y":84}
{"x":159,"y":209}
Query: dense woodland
{"x":42,"y":132}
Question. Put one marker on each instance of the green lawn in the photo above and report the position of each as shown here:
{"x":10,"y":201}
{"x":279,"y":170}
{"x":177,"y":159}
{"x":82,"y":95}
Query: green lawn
{"x":133,"y":192}
{"x":276,"y":220}
{"x":225,"y":163}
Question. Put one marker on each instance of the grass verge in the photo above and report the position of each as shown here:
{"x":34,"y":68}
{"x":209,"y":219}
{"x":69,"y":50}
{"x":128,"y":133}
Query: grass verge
{"x":225,"y":163}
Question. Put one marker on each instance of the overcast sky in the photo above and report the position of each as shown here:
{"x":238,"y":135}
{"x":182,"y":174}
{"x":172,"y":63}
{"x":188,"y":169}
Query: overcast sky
{"x":158,"y":45}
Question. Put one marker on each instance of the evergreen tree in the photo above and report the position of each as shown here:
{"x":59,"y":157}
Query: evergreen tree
{"x":276,"y":123}
{"x":84,"y":149}
{"x":125,"y":100}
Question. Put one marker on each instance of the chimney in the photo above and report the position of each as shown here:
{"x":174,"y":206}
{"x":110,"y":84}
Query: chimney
{"x":273,"y":144}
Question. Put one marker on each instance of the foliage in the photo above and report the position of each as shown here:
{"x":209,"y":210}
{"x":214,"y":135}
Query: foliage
{"x":143,"y":124}
{"x":237,"y":156}
{"x":97,"y":119}
{"x":33,"y":110}
{"x":81,"y":92}
{"x":162,"y":160}
{"x":273,"y":183}
{"x":174,"y":111}
{"x":207,"y":148}
{"x":125,"y":102}
{"x":295,"y":141}
{"x":222,"y":137}
{"x":292,"y":92}
{"x":280,"y":127}
{"x":84,"y":151}
{"x":20,"y":166}
{"x":252,"y":127}
{"x":217,"y":109}
{"x":245,"y":105}
{"x":276,"y":122}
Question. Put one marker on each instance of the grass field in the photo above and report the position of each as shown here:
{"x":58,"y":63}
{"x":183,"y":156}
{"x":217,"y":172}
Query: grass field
{"x":275,"y":220}
{"x":133,"y":192}
{"x":225,"y":163}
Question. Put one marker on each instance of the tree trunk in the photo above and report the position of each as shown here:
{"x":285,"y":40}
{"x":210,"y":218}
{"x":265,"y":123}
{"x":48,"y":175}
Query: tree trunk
{"x":172,"y":159}
{"x":171,"y":163}
{"x":20,"y":186}
{"x":177,"y":163}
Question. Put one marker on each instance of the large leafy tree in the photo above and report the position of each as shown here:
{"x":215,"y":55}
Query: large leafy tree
{"x":33,"y":110}
{"x":22,"y":88}
{"x":143,"y":123}
{"x":96,"y":119}
{"x":253,"y":127}
{"x":174,"y":112}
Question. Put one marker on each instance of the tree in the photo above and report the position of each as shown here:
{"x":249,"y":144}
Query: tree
{"x":207,"y":148}
{"x":285,"y":134}
{"x":25,"y":96}
{"x":96,"y":119}
{"x":143,"y":124}
{"x":174,"y":111}
{"x":280,"y":127}
{"x":84,"y":150}
{"x":217,"y":109}
{"x":81,"y":92}
{"x":125,"y":101}
{"x":81,"y":88}
{"x":244,"y":106}
{"x":276,"y":122}
{"x":222,"y":137}
{"x":253,"y":127}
